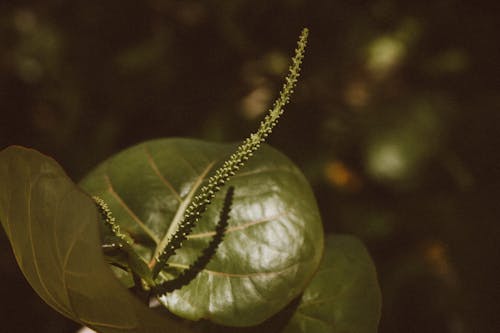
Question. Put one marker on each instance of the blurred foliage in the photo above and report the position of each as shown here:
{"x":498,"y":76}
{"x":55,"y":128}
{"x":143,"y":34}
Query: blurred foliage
{"x":395,"y":122}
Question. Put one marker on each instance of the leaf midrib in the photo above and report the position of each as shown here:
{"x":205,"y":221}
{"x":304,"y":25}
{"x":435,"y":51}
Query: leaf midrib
{"x":179,"y":214}
{"x":53,"y":299}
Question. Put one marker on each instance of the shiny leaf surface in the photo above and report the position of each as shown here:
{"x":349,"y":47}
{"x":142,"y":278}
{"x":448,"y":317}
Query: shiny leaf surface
{"x":344,"y":296}
{"x":53,"y":229}
{"x":273,"y":243}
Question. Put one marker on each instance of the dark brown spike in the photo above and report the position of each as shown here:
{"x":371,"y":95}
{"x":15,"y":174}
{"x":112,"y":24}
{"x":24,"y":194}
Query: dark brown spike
{"x":202,"y":261}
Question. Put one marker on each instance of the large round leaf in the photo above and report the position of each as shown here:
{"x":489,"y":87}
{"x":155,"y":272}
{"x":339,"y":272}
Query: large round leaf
{"x":271,"y":248}
{"x":53,"y":229}
{"x":344,"y":296}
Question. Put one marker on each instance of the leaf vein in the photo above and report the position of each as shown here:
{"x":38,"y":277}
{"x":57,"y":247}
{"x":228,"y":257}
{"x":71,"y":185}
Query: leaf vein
{"x":313,"y":318}
{"x":66,"y":260}
{"x":54,"y":302}
{"x":238,"y":227}
{"x":58,"y":251}
{"x":260,"y":171}
{"x":238,"y":275}
{"x":164,"y":180}
{"x":96,"y":323}
{"x":122,"y":203}
{"x":180,"y":212}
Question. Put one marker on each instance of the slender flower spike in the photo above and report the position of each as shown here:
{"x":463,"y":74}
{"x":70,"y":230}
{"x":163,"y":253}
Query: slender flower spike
{"x":234,"y":163}
{"x":110,"y":221}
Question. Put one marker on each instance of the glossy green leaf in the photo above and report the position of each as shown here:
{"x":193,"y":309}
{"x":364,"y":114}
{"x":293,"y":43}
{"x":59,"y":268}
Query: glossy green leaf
{"x":53,"y":229}
{"x":344,"y":296}
{"x":274,"y":240}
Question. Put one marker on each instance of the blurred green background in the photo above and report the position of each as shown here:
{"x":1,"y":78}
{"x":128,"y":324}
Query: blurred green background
{"x":395,"y":122}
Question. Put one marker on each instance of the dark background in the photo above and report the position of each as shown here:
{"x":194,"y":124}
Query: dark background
{"x":395,"y":122}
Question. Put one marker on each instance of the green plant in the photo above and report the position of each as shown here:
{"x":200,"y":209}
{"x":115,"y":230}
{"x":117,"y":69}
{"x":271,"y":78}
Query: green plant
{"x":156,"y":215}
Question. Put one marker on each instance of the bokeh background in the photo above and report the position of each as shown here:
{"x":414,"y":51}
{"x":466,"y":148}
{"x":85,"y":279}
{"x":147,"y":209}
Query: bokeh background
{"x":395,"y":122}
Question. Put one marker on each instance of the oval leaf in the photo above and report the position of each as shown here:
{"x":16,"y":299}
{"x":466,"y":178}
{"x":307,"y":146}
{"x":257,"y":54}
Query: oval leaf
{"x":273,"y":243}
{"x":53,"y":229}
{"x":344,"y":296}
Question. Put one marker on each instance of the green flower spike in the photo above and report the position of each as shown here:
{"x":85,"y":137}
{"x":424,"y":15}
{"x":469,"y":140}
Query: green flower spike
{"x":110,"y":221}
{"x":231,"y":166}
